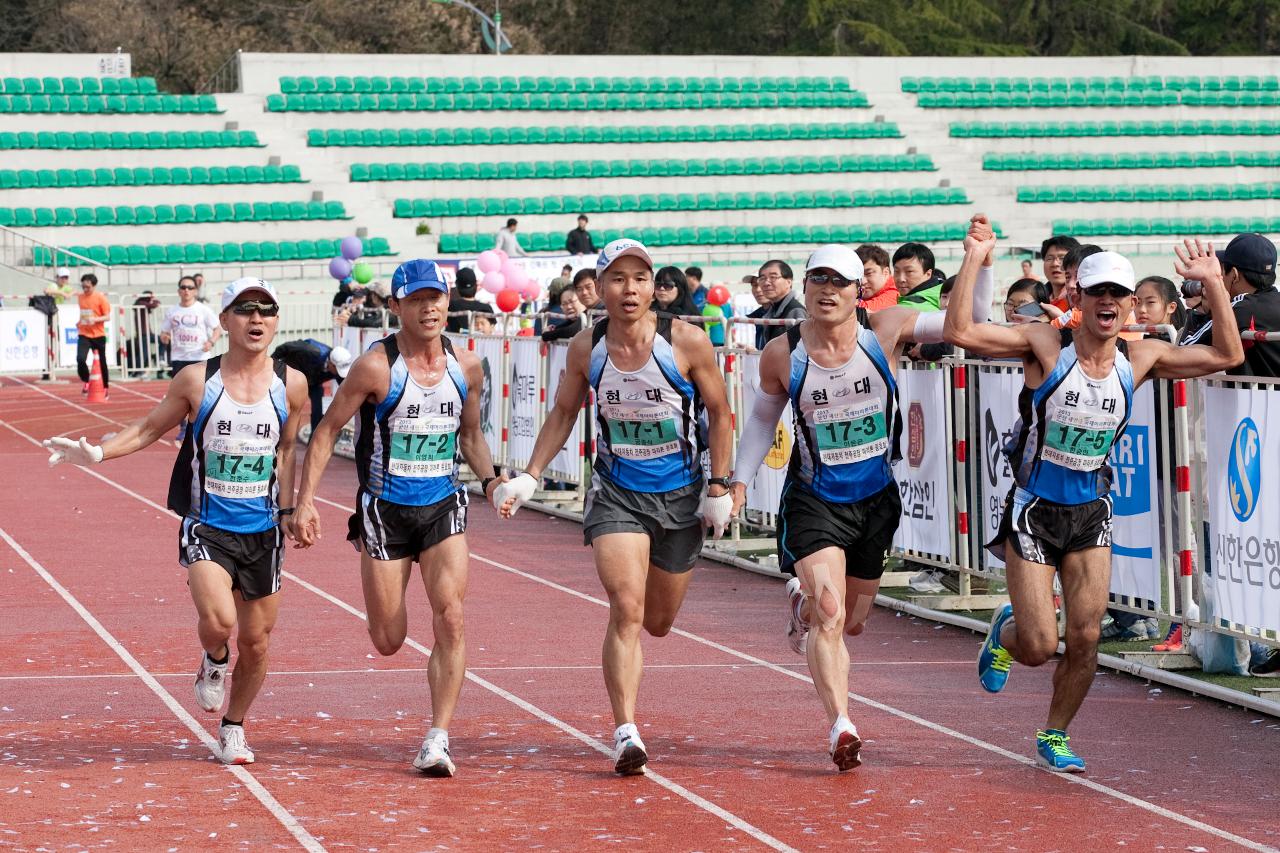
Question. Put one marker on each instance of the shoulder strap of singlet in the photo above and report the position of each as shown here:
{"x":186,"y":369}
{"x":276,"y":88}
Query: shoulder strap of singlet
{"x":598,"y":330}
{"x":1123,"y":346}
{"x":281,"y":368}
{"x":180,"y":480}
{"x":664,"y":326}
{"x":793,"y":337}
{"x":393,"y":349}
{"x":863,"y":315}
{"x":212,"y":366}
{"x":447,"y":343}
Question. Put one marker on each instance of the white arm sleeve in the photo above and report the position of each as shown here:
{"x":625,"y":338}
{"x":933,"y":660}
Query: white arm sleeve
{"x":757,"y":435}
{"x":929,"y":324}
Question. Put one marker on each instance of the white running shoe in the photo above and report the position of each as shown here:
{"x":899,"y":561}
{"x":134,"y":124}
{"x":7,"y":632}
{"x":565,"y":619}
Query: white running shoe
{"x":797,"y":628}
{"x":628,"y":751}
{"x":845,"y":745}
{"x":433,"y":758}
{"x":234,"y":748}
{"x":211,"y":683}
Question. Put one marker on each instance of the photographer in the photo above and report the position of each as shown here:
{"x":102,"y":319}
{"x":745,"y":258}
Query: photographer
{"x":1249,"y":272}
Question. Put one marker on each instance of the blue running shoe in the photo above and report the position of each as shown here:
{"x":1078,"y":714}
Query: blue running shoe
{"x":1052,"y":751}
{"x":994,"y":660}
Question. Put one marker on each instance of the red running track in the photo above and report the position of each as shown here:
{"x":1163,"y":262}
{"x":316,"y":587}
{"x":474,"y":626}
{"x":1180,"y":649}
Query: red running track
{"x":97,"y":746}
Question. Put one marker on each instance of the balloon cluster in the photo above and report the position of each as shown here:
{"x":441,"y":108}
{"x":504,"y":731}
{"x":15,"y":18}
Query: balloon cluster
{"x":345,"y":267}
{"x":506,"y":280}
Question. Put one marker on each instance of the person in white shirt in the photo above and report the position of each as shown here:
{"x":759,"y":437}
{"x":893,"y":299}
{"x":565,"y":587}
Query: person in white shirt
{"x":190,"y":328}
{"x":506,"y":240}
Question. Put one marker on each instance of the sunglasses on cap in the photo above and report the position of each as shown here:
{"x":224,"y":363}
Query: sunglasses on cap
{"x":245,"y":309}
{"x":1115,"y":291}
{"x":821,"y":278}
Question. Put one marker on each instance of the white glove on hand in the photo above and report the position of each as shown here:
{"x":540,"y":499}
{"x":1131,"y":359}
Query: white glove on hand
{"x":521,"y":489}
{"x":716,"y":513}
{"x":77,"y":453}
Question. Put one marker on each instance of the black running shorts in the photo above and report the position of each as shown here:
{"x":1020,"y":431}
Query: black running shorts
{"x":391,"y":531}
{"x":254,"y":560}
{"x":674,"y":543}
{"x":1043,"y":531}
{"x":863,"y":530}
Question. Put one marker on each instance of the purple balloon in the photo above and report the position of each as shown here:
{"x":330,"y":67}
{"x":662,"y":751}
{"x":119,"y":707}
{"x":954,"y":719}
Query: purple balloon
{"x":352,"y":248}
{"x":340,"y":268}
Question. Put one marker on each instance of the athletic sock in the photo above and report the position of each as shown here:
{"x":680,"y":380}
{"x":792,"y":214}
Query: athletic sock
{"x":226,"y":656}
{"x":229,"y":722}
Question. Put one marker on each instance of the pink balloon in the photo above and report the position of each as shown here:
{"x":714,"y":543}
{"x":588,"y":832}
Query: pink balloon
{"x":516,"y":279}
{"x":502,"y":256}
{"x":488,"y":261}
{"x":494,"y":282}
{"x":508,"y":268}
{"x":531,"y":290}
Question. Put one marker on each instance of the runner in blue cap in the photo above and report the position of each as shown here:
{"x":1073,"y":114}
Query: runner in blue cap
{"x":418,"y":402}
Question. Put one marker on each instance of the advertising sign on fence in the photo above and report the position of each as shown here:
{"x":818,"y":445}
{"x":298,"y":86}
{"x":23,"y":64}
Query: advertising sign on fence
{"x":525,"y":366}
{"x":1135,"y":535}
{"x":23,"y":340}
{"x":1243,"y":481}
{"x":489,"y":351}
{"x":765,"y":491}
{"x":567,"y":464}
{"x":922,"y":473}
{"x":997,"y":413}
{"x":69,"y":336}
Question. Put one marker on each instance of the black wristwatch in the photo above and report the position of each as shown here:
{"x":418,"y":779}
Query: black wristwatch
{"x":718,"y":481}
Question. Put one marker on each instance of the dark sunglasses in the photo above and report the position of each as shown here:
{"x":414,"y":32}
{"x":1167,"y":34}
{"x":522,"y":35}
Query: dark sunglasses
{"x":664,"y":285}
{"x":245,"y":309}
{"x":186,"y":287}
{"x":837,"y":281}
{"x":1116,"y":291}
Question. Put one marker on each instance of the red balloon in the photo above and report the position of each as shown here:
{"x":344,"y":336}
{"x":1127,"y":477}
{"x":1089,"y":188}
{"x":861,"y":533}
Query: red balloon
{"x":718,"y":295}
{"x":508,"y":300}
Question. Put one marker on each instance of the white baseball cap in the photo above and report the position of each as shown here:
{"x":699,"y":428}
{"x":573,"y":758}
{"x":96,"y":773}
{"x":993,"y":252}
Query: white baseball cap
{"x":233,"y":290}
{"x":1106,"y":268}
{"x":622,"y":248}
{"x":341,"y":358}
{"x":63,"y":272}
{"x":836,"y":257}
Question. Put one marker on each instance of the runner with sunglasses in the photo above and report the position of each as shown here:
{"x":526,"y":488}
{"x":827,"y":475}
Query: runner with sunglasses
{"x":1074,"y":406}
{"x":233,"y":487}
{"x":840,"y":505}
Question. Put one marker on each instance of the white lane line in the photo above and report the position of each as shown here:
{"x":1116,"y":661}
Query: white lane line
{"x":81,"y":408}
{"x":279,"y":812}
{"x":658,"y":779}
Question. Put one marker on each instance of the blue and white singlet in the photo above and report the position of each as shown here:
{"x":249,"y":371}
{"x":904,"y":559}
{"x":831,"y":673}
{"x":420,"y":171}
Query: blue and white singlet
{"x":1066,"y":428}
{"x":225,"y":475}
{"x":407,"y":445}
{"x":846,"y":420}
{"x":648,"y":419}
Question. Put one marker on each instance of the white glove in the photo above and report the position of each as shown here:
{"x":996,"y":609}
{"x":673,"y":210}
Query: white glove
{"x":716,"y":512}
{"x":521,"y":488}
{"x":77,"y":453}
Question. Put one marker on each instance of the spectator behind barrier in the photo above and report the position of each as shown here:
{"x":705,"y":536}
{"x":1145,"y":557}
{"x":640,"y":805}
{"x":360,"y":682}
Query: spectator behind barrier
{"x":1026,"y":291}
{"x":1054,"y":253}
{"x":1249,"y":271}
{"x":575,"y":319}
{"x":671,"y":293}
{"x":762,"y":301}
{"x":918,"y":281}
{"x":584,"y":284}
{"x":878,"y":287}
{"x":1027,"y":270}
{"x":697,"y":292}
{"x":775,"y":279}
{"x":463,"y":299}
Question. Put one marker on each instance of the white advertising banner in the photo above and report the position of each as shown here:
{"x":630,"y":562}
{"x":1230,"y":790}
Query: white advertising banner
{"x":922,"y":473}
{"x":489,"y":351}
{"x":1242,"y":429}
{"x":765,"y":491}
{"x":567,"y":464}
{"x":69,"y":335}
{"x":23,"y":341}
{"x":1135,"y":537}
{"x":997,"y":414}
{"x":526,"y":373}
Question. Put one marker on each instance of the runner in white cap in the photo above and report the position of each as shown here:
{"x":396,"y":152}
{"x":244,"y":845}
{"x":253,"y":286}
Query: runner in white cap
{"x":1057,"y":519}
{"x":840,"y":506}
{"x":646,"y":512}
{"x":233,"y":486}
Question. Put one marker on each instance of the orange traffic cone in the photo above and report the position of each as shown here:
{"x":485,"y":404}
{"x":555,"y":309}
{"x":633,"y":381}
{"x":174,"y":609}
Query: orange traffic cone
{"x":97,"y":391}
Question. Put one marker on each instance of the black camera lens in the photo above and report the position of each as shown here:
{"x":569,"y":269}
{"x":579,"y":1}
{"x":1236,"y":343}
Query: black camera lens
{"x":1191,"y":289}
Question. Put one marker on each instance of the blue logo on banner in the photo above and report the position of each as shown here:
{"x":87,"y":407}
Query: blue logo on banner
{"x":70,"y":336}
{"x":20,"y":329}
{"x":1131,"y":482}
{"x":1244,"y":470}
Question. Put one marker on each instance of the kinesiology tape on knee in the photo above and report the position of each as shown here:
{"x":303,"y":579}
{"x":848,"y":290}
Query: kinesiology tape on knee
{"x":822,"y":582}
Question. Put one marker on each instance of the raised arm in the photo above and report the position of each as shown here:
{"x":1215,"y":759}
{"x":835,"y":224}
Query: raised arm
{"x":555,"y":429}
{"x":369,"y":373}
{"x":1199,"y":263}
{"x":475,"y":450}
{"x":961,"y":329}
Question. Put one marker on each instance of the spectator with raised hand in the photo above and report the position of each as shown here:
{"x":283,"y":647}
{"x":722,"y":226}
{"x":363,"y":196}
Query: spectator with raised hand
{"x":1249,"y":271}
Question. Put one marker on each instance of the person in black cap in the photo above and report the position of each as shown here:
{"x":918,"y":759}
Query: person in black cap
{"x":464,"y":299}
{"x":1249,"y":271}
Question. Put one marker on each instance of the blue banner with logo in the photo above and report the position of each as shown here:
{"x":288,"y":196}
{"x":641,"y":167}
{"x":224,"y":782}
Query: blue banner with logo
{"x":1136,"y":557}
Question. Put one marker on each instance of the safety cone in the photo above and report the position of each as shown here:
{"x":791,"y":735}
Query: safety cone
{"x":97,"y":391}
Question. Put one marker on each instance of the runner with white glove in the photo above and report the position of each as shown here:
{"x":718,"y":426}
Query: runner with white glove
{"x":645,"y":513}
{"x":840,"y":506}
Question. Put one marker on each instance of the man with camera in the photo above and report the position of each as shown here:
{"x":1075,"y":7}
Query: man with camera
{"x":1249,"y":271}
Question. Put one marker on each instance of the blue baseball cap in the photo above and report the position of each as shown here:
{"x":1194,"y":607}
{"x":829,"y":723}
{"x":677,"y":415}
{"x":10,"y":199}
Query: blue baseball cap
{"x":412,"y":276}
